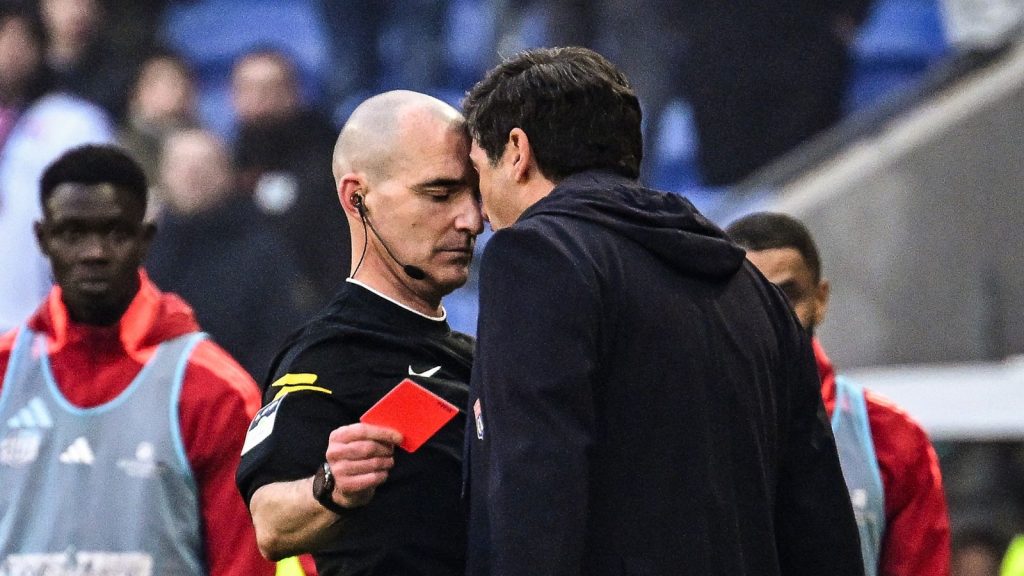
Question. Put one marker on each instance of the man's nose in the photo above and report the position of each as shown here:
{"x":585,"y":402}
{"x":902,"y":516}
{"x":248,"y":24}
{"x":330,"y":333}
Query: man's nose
{"x":94,"y":246}
{"x":471,"y":217}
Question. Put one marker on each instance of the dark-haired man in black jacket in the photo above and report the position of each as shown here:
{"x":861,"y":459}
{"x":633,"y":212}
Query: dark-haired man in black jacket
{"x":643,"y":401}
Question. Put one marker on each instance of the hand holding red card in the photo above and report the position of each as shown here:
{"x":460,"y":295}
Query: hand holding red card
{"x":413,"y":411}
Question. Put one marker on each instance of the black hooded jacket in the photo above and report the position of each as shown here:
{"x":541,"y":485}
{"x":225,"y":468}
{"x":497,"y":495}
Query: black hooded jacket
{"x":644,"y":402}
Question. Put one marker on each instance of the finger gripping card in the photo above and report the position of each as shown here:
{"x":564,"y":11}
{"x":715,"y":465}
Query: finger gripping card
{"x":412,"y":410}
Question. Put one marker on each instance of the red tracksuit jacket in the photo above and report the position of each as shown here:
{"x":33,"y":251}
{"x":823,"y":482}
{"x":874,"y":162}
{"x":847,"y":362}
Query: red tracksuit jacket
{"x":92,"y":365}
{"x":917,"y":534}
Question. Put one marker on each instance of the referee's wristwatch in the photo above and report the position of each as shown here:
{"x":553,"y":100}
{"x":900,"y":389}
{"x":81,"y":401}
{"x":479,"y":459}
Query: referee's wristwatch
{"x":323,"y":489}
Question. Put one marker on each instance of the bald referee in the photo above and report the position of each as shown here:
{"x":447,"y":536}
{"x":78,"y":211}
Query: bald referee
{"x":316,"y":480}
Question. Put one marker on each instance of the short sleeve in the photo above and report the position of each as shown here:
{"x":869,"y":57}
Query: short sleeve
{"x":287,"y":439}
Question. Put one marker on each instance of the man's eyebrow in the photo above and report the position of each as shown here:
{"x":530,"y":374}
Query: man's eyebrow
{"x":789,"y":285}
{"x":442,"y":183}
{"x":78,"y":220}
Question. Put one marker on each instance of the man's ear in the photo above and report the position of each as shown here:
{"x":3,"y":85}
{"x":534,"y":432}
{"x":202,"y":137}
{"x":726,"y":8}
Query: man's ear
{"x":351,"y":189}
{"x":40,"y":232}
{"x":821,"y":296}
{"x":147,"y":231}
{"x":522,"y":154}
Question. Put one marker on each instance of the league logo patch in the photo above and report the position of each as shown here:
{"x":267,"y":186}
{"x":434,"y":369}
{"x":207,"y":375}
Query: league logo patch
{"x":479,"y":416}
{"x":20,"y":447}
{"x":144,"y":465}
{"x":262,"y":425}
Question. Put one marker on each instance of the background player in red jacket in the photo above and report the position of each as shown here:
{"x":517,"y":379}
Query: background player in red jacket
{"x":120,"y":424}
{"x":909,"y":535}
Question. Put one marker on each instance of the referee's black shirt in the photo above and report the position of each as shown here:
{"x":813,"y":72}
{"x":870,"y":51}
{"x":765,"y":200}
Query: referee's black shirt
{"x":359,"y":348}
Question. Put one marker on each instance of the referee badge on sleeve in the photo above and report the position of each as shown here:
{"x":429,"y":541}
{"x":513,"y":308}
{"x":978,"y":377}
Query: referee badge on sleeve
{"x":262,"y":425}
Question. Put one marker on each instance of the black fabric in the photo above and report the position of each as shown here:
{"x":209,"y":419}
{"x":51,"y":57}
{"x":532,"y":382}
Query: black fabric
{"x":313,"y":224}
{"x":762,"y":100}
{"x":237,"y":275}
{"x":648,"y":403}
{"x":102,"y":75}
{"x":360,"y":347}
{"x":762,"y":77}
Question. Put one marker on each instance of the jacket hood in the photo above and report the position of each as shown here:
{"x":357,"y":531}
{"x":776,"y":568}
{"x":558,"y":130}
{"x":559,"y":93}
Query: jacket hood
{"x":667,"y":225}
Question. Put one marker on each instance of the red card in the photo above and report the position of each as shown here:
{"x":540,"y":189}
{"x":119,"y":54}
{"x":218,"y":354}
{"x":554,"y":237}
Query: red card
{"x":414,"y":411}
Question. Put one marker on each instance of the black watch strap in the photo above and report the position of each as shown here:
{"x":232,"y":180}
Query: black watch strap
{"x":323,"y":489}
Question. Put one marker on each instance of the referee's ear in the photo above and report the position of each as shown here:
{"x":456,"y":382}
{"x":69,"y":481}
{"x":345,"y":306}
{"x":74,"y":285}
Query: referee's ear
{"x":351,"y":194}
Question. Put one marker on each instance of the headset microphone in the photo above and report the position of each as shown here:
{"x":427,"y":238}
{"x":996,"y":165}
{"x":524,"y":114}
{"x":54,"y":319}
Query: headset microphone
{"x":414,"y":272}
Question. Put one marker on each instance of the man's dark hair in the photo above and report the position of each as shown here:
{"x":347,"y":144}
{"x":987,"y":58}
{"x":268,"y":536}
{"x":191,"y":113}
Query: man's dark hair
{"x":768,"y":230}
{"x":95,"y":164}
{"x":578,"y":111}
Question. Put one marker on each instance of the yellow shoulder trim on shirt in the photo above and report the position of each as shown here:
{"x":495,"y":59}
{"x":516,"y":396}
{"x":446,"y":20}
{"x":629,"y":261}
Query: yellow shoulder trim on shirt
{"x":290,"y":389}
{"x":289,"y":379}
{"x":295,"y":382}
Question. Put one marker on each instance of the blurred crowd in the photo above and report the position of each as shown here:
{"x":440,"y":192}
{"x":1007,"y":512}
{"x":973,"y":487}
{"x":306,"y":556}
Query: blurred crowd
{"x":243,"y":194}
{"x":255,"y":173}
{"x":255,"y":216}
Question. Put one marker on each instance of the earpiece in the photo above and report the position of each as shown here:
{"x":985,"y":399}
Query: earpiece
{"x":358,"y":201}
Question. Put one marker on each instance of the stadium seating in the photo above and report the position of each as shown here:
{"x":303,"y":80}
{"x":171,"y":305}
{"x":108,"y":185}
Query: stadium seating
{"x":211,"y":34}
{"x":896,"y":45}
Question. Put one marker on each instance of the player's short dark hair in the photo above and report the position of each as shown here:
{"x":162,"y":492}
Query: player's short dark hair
{"x":578,"y":110}
{"x":95,"y":164}
{"x":768,"y":230}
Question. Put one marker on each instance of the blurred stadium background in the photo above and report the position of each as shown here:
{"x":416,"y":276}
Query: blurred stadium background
{"x":914,"y":197}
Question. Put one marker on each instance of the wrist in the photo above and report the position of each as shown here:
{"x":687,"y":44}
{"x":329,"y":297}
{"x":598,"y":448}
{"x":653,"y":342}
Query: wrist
{"x":323,"y":489}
